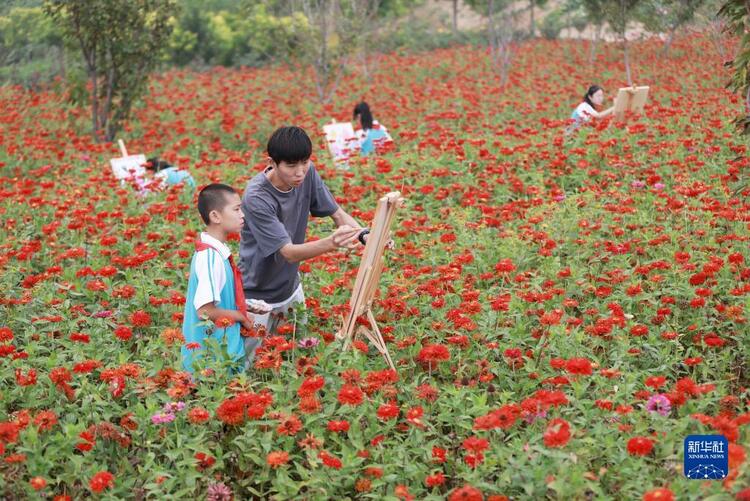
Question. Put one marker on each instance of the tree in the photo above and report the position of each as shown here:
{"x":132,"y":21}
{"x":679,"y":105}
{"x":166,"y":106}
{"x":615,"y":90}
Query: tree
{"x":501,"y":33}
{"x":737,"y":15}
{"x":668,"y":16}
{"x":532,"y":22}
{"x":618,"y":13}
{"x":121,"y":43}
{"x":336,"y":30}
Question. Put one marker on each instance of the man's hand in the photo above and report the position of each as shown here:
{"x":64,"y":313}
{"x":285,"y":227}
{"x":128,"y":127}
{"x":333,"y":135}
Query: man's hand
{"x":345,"y":237}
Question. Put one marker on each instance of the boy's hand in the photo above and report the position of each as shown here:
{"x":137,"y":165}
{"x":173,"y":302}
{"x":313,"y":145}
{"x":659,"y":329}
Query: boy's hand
{"x":245,"y":320}
{"x":345,"y":236}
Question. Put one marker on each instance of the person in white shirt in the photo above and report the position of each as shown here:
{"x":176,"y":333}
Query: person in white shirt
{"x":587,"y":110}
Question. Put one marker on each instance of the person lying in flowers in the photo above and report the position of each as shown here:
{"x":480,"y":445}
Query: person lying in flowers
{"x":215,"y":285}
{"x":277,"y":204}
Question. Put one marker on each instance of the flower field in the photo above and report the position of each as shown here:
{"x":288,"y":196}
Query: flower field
{"x":562,"y":311}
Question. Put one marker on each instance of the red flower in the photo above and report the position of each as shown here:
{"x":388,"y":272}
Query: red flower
{"x":388,"y":411}
{"x":38,"y":483}
{"x":123,"y":333}
{"x":310,"y":385}
{"x":277,"y":458}
{"x":505,"y":266}
{"x":350,"y":394}
{"x":438,"y":454}
{"x":45,"y":420}
{"x":433,"y":353}
{"x":661,"y":494}
{"x":578,"y":366}
{"x":205,"y":461}
{"x":198,"y":415}
{"x":140,"y":319}
{"x":557,"y":433}
{"x":465,"y":493}
{"x":475,"y":444}
{"x":231,"y":411}
{"x":435,"y":480}
{"x":101,"y":481}
{"x":338,"y":426}
{"x":289,"y":426}
{"x":330,"y":461}
{"x":640,"y":446}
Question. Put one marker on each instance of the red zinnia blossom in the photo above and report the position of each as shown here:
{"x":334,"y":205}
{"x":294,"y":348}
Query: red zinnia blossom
{"x":505,"y":266}
{"x":388,"y":411}
{"x":465,"y":493}
{"x":45,"y":420}
{"x":350,"y":394}
{"x":310,"y":385}
{"x":435,"y":480}
{"x":438,"y":454}
{"x":640,"y":446}
{"x":28,"y":380}
{"x":427,"y":393}
{"x":38,"y":483}
{"x":655,"y":382}
{"x":231,"y":411}
{"x":433,"y":353}
{"x":6,"y":335}
{"x":123,"y":333}
{"x":140,"y":319}
{"x":338,"y":426}
{"x":277,"y":458}
{"x":205,"y":461}
{"x":329,"y":460}
{"x":578,"y":366}
{"x":101,"y":481}
{"x":661,"y":494}
{"x":198,"y":415}
{"x":476,"y":444}
{"x":557,"y":433}
{"x":290,"y":426}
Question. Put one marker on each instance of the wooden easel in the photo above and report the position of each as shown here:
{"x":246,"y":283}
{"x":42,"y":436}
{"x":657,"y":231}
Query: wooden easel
{"x":631,"y":99}
{"x":368,"y":278}
{"x":128,"y":166}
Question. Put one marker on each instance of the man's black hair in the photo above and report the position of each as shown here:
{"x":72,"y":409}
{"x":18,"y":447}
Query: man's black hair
{"x":213,"y":197}
{"x":365,"y":115}
{"x":290,"y":145}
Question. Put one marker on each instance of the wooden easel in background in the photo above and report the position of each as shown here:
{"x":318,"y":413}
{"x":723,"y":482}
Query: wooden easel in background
{"x":631,"y":99}
{"x":368,"y":278}
{"x":128,"y":166}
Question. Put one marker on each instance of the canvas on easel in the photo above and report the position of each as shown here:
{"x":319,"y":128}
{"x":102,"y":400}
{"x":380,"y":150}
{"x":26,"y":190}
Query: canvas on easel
{"x":128,"y":166}
{"x":632,"y":99}
{"x":368,"y":277}
{"x":341,"y":139}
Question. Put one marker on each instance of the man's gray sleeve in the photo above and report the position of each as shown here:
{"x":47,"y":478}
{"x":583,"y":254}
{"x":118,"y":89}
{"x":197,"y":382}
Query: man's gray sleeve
{"x":322,"y":203}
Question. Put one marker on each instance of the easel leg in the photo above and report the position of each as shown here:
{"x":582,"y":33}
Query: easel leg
{"x":380,"y":344}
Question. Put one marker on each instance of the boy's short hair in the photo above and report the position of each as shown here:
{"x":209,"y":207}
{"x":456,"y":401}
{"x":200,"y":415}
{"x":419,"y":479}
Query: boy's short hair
{"x":213,"y":197}
{"x":290,"y":145}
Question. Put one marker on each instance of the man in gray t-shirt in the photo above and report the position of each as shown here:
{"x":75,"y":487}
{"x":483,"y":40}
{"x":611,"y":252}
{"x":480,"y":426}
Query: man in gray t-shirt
{"x":277,"y":204}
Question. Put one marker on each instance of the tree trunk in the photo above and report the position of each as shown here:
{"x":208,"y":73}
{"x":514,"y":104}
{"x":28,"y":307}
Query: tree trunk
{"x":94,"y":98}
{"x":61,"y":62}
{"x":627,"y":59}
{"x":455,"y":17}
{"x":668,"y":43}
{"x":532,"y":26}
{"x":592,"y":45}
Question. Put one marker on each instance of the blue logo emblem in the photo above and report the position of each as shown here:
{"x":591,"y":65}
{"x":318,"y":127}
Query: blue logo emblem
{"x":706,"y":457}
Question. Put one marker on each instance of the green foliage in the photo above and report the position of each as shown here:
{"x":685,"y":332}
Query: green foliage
{"x":120,"y":44}
{"x":737,"y":15}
